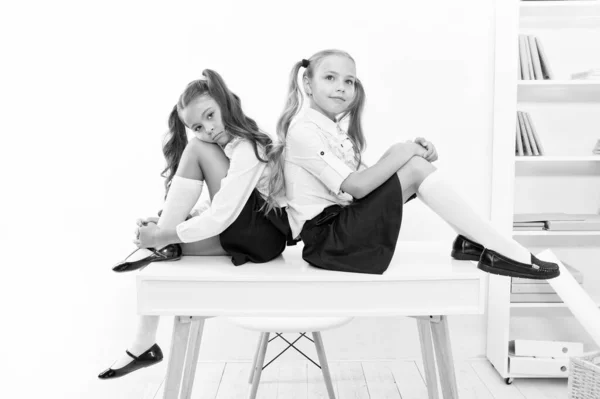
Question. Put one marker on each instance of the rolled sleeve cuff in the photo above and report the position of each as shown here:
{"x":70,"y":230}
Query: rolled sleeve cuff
{"x":335,"y":173}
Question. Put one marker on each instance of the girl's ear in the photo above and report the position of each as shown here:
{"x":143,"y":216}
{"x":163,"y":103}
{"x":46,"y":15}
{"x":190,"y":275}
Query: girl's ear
{"x":306,"y":84}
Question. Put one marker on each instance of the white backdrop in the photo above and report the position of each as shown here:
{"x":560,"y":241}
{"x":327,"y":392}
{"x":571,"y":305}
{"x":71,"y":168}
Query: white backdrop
{"x":87,"y":89}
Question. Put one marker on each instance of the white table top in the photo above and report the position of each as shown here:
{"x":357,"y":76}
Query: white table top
{"x":422,"y":279}
{"x":412,"y":261}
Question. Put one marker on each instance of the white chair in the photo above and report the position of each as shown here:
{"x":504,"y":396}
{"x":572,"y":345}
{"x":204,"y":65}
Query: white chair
{"x":280,"y":325}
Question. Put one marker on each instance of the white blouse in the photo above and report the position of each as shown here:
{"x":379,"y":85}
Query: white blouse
{"x":245,"y":173}
{"x":319,"y":156}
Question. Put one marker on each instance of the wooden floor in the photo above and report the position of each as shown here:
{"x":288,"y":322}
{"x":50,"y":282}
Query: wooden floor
{"x":357,"y":380}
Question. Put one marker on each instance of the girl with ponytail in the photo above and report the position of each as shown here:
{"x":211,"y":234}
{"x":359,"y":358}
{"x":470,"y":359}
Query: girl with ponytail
{"x":348,"y":214}
{"x":243,"y":220}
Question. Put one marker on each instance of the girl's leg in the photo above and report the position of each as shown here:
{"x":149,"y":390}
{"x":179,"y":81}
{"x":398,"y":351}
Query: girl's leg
{"x":420,"y":177}
{"x":200,"y":162}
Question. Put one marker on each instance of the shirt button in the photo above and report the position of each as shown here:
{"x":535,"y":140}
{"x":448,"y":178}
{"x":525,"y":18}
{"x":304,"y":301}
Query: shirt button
{"x":322,"y":153}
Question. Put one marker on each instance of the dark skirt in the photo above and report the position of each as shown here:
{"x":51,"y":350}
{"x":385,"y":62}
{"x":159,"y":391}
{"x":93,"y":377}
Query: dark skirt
{"x":254,"y":236}
{"x":360,"y":237}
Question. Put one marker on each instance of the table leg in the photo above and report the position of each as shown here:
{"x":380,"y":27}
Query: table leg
{"x":443,"y":354}
{"x":424,"y":326}
{"x":191,"y":357}
{"x":181,"y":330}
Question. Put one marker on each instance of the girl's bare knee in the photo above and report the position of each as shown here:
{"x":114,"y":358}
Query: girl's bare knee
{"x":413,"y":172}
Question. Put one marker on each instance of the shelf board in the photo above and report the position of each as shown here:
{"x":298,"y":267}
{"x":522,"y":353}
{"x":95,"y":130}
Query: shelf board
{"x":559,"y":14}
{"x":541,"y":305}
{"x":554,"y":158}
{"x":558,"y":91}
{"x":547,"y":233}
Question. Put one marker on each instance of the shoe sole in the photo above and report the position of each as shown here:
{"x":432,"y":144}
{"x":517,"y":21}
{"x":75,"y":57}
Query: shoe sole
{"x":133,"y":371}
{"x":143,"y":267}
{"x":512,"y":273}
{"x":462,"y":256}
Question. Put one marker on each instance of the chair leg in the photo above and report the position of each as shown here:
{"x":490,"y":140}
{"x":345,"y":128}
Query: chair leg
{"x":428,"y":358}
{"x":255,"y":358}
{"x":259,"y":365}
{"x":324,"y":365}
{"x":443,"y":353}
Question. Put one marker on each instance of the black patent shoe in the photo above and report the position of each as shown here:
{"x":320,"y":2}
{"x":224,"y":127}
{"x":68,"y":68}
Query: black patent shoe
{"x":493,"y":262}
{"x":150,"y":357}
{"x":171,"y":252}
{"x":465,"y":249}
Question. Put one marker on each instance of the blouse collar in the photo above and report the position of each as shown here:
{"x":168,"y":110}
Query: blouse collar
{"x":323,"y":122}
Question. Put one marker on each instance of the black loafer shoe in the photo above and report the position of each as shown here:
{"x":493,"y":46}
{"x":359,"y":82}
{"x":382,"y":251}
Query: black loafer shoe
{"x":493,"y":262}
{"x":151,"y":356}
{"x":465,"y":249}
{"x":170,"y":252}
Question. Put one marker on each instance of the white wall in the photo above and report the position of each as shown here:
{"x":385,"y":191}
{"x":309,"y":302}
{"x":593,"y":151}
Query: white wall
{"x":89,"y":91}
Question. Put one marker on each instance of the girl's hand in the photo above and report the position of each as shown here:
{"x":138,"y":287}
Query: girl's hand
{"x":144,"y":222}
{"x":149,"y":236}
{"x":413,"y":148}
{"x":431,"y":153}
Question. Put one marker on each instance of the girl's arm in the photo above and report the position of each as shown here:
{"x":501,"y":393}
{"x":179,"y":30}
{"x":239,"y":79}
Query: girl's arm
{"x":360,"y":184}
{"x":242,"y":177}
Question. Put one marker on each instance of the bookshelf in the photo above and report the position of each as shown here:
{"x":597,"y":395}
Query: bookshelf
{"x":566,"y":114}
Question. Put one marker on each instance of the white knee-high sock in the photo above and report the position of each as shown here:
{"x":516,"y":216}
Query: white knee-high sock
{"x":183,"y":195}
{"x":145,"y":337}
{"x":441,"y":197}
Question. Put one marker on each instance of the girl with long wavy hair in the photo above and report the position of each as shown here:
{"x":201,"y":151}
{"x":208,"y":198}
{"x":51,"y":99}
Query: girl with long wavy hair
{"x":243,"y":220}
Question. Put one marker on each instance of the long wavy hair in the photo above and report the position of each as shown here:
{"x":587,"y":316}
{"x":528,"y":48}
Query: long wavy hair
{"x":235,"y":122}
{"x":294,"y":102}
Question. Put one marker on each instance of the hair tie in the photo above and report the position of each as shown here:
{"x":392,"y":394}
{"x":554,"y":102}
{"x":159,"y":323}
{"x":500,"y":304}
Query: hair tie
{"x":305,"y":63}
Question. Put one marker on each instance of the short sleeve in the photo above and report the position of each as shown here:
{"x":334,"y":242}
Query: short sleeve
{"x":308,"y":149}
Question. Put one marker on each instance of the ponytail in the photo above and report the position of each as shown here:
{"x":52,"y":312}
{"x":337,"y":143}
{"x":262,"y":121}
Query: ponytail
{"x":355,"y":124}
{"x":276,"y":154}
{"x":173,"y":147}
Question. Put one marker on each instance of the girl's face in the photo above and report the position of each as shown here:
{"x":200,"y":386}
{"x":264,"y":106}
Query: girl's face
{"x":203,"y":117}
{"x":332,"y":85}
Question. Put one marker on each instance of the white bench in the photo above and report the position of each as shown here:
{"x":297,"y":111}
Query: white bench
{"x":423,"y":281}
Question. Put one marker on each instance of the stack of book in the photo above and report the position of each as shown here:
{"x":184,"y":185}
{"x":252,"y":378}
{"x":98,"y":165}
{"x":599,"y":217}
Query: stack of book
{"x":527,"y":141}
{"x":591,"y":74}
{"x":556,"y":222}
{"x":524,"y":290}
{"x":533,"y":63}
{"x":597,"y":148}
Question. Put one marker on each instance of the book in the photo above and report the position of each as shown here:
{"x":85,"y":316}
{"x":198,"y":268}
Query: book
{"x":529,"y":224}
{"x":534,"y":148}
{"x":535,"y":135}
{"x":529,"y":59}
{"x":546,"y":71}
{"x":535,"y":57}
{"x":519,"y":144}
{"x":526,"y":145}
{"x":529,"y":298}
{"x":590,"y":74}
{"x":529,"y":228}
{"x":544,"y":217}
{"x":523,"y":57}
{"x":532,"y":289}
